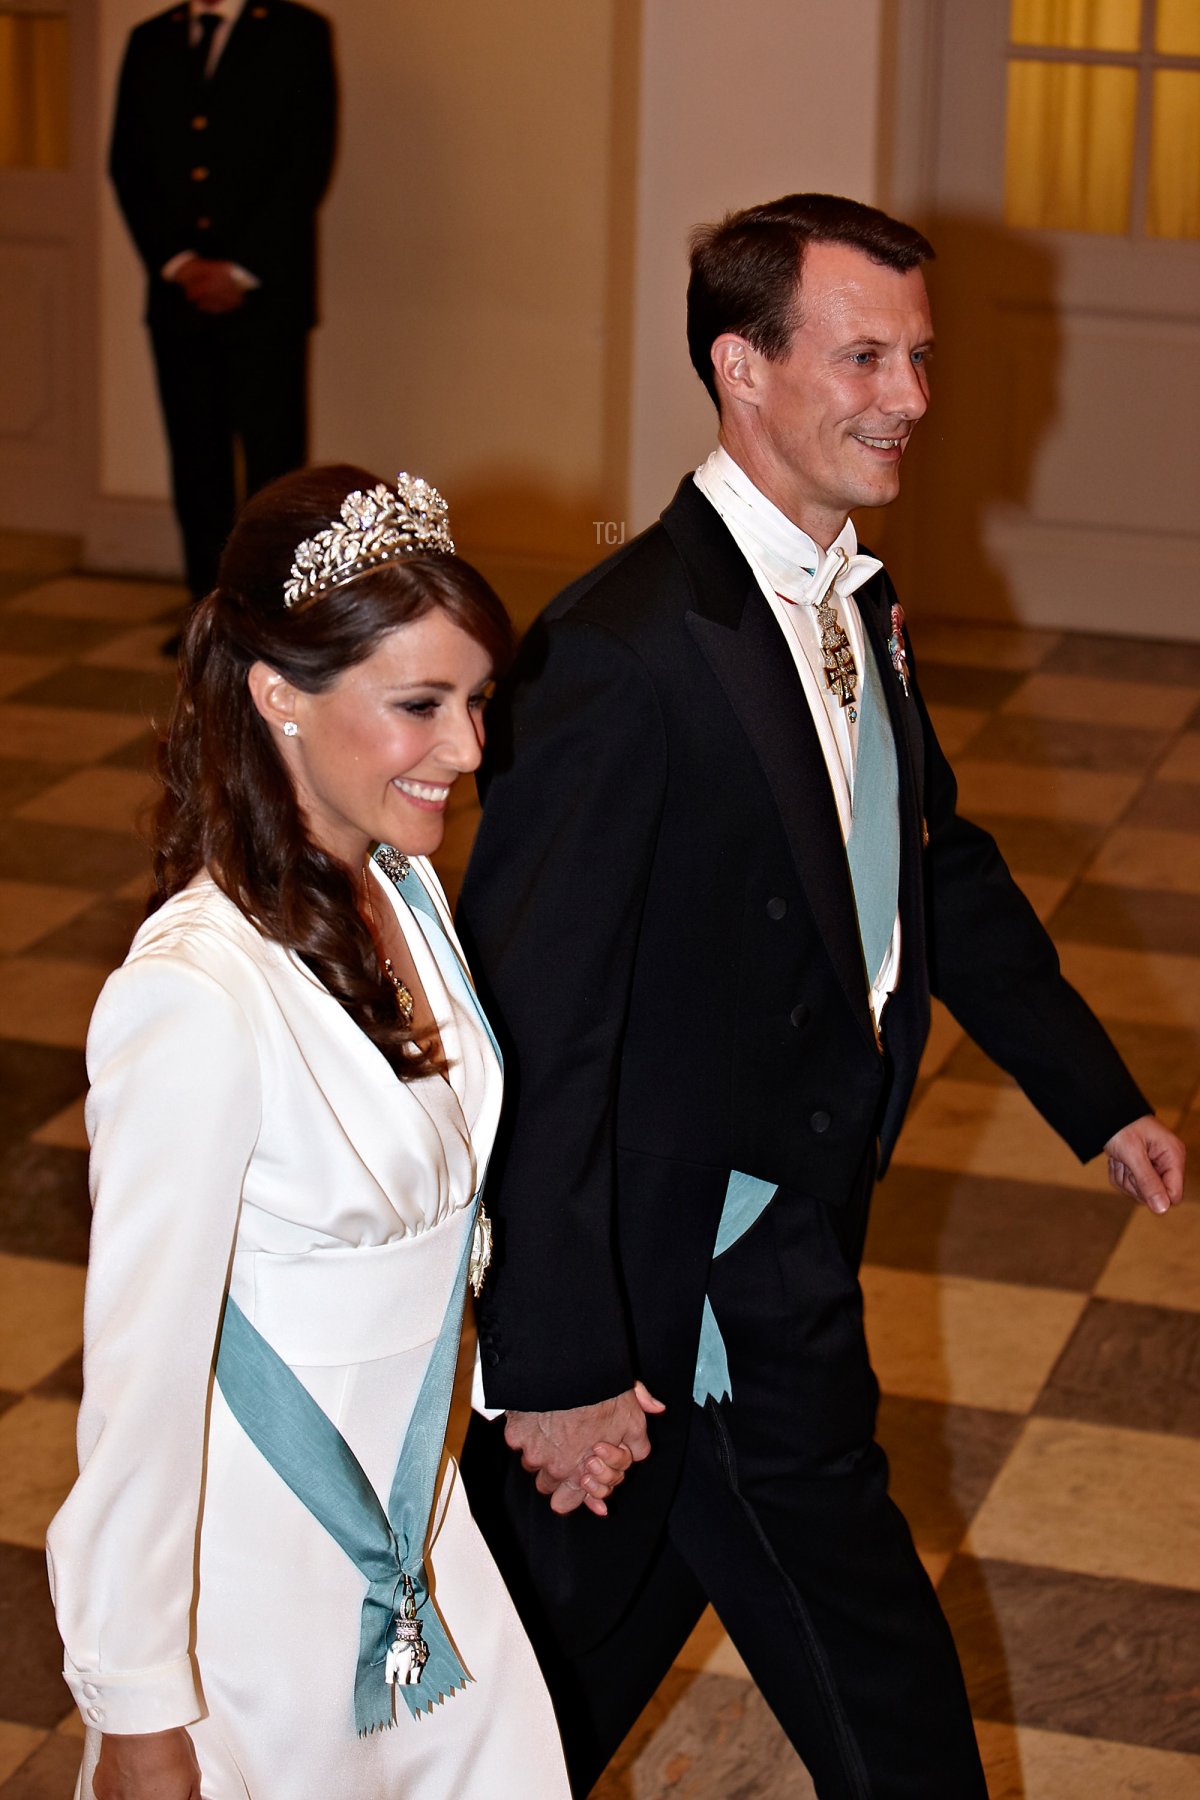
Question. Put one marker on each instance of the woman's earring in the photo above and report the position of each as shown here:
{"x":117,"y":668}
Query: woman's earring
{"x":290,"y":728}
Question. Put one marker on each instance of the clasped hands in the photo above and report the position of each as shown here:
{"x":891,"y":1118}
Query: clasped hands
{"x":580,"y":1455}
{"x":210,"y":285}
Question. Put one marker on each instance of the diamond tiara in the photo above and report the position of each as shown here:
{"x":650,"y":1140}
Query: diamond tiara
{"x":376,"y":527}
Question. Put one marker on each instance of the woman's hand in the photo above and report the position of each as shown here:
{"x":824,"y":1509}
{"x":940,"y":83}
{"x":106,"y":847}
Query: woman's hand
{"x":151,"y":1765}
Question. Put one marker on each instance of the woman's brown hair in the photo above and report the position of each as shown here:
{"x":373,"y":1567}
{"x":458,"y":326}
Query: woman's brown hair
{"x":228,"y":804}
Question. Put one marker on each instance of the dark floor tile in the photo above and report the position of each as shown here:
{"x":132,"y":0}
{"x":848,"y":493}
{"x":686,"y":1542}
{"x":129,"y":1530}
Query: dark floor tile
{"x":44,"y":1205}
{"x":65,"y":1382}
{"x":21,"y":780}
{"x":132,"y":691}
{"x":1065,"y":744}
{"x":1165,"y":1059}
{"x":1152,"y":660}
{"x":718,"y":1737}
{"x":70,"y":855}
{"x":41,"y":634}
{"x":138,"y":754}
{"x":7,"y":1399}
{"x":1043,"y":846}
{"x":943,"y":1461}
{"x":1137,"y":1366}
{"x":1077,"y":1653}
{"x":1128,"y":918}
{"x":1167,"y":806}
{"x":50,"y":1773}
{"x":996,"y":1230}
{"x":102,"y":934}
{"x":30,"y":1653}
{"x":36,"y":1081}
{"x":957,"y":684}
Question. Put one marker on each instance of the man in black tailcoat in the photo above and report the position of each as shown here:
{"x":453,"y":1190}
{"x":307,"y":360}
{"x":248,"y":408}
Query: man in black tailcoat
{"x":221,"y":150}
{"x":719,"y":873}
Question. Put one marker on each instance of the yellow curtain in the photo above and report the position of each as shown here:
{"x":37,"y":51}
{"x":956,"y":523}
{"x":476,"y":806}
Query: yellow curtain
{"x":1173,"y":195}
{"x":1078,"y":24}
{"x":34,"y":91}
{"x":1069,"y":146}
{"x":1177,"y":28}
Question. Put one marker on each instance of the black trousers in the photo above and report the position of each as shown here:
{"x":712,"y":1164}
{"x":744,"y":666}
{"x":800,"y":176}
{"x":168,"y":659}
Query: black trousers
{"x":234,"y":394}
{"x":782,"y":1520}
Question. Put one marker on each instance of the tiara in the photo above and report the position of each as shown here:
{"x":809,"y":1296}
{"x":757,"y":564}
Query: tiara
{"x":376,"y":527}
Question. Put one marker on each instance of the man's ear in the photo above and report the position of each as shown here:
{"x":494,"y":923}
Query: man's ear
{"x":274,"y":697}
{"x":736,"y":367}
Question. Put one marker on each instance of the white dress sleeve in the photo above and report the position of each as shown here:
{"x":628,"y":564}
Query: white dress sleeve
{"x":173,"y":1115}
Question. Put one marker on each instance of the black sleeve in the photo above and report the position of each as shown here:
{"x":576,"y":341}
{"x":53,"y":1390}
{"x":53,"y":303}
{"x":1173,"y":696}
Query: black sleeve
{"x":550,"y":917}
{"x":291,"y":182}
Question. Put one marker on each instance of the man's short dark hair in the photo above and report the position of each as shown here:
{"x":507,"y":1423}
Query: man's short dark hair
{"x":746,"y":271}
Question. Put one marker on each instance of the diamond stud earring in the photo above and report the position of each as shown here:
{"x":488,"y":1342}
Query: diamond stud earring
{"x":290,"y":728}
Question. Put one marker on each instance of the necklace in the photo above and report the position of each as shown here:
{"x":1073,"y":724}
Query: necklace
{"x":404,"y":1000}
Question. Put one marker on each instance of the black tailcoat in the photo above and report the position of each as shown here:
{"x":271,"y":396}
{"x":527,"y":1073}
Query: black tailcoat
{"x":660,"y":915}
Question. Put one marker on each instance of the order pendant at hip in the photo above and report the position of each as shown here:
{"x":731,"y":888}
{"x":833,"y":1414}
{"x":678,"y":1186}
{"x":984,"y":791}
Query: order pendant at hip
{"x":408,"y":1652}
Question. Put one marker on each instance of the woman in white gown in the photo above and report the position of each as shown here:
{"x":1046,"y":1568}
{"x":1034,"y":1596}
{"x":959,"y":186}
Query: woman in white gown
{"x":293,"y":1098}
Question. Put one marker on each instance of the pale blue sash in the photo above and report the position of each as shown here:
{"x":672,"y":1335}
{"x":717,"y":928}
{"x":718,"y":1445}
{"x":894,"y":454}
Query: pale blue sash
{"x":310,"y":1454}
{"x":746,"y":1198}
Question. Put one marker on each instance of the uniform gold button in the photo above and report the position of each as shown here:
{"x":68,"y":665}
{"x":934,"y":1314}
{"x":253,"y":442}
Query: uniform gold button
{"x":199,"y":174}
{"x":199,"y":123}
{"x":203,"y":224}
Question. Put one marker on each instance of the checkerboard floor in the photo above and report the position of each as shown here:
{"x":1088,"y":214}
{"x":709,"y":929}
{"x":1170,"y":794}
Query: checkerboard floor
{"x":1037,"y":1341}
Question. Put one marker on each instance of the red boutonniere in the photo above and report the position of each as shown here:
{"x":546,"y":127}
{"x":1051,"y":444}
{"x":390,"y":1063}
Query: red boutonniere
{"x":896,"y":648}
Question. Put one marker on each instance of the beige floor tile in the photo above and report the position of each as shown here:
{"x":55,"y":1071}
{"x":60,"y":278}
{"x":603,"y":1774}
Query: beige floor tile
{"x":981,"y":1130}
{"x":1032,"y":792}
{"x":980,"y":646}
{"x":16,"y":1743}
{"x":1099,"y":702}
{"x":709,"y":1651}
{"x":138,"y":888}
{"x":1025,"y":1764}
{"x":945,"y":1035}
{"x":71,"y":1726}
{"x":92,"y":597}
{"x":1157,"y":1261}
{"x":1097,"y":1500}
{"x":30,"y":909}
{"x":1042,"y":891}
{"x":956,"y":725}
{"x":17,"y":671}
{"x":41,"y":1318}
{"x":45,"y":1000}
{"x":1133,"y":984}
{"x":65,"y":1131}
{"x":935,"y":1562}
{"x":111,"y":799}
{"x":1183,"y":762}
{"x":961,"y":1341}
{"x":37,"y":1467}
{"x":64,"y":734}
{"x":1168,"y":860}
{"x":139,"y":648}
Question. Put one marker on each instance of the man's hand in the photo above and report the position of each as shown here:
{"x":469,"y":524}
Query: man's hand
{"x":211,"y":286}
{"x":580,"y":1455}
{"x":151,"y":1765}
{"x":1146,"y":1160}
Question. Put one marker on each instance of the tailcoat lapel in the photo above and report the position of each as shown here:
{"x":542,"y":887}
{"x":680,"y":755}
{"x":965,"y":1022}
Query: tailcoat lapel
{"x":736,"y":633}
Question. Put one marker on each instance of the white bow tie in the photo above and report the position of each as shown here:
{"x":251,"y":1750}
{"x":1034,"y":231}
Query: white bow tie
{"x":838,"y":573}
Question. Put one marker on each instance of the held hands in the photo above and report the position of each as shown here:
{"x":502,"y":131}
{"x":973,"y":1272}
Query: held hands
{"x":1146,"y":1161}
{"x":580,"y":1455}
{"x":210,"y":285}
{"x":151,"y":1765}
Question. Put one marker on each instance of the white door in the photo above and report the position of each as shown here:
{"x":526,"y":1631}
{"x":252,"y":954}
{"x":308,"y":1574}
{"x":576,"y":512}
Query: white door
{"x":47,"y":290}
{"x":1057,"y":477}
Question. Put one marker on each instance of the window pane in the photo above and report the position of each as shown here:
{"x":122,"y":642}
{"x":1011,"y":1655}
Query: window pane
{"x":1173,"y":198}
{"x":1078,"y":24}
{"x":34,"y":86}
{"x":1177,"y":28}
{"x":1069,"y":146}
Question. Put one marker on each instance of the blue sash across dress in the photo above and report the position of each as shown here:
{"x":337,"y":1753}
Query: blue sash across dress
{"x":309,"y":1453}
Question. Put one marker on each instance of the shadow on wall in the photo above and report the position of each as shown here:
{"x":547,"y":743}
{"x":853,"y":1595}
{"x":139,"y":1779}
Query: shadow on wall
{"x":995,"y":397}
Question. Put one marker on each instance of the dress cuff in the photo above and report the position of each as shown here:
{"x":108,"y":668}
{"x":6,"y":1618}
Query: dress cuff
{"x":137,"y":1700}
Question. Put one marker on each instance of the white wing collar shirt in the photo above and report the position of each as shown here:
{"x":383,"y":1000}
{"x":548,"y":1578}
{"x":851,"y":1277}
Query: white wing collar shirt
{"x":793,"y":571}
